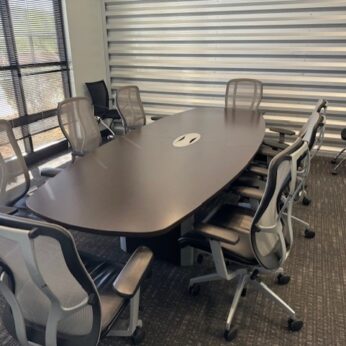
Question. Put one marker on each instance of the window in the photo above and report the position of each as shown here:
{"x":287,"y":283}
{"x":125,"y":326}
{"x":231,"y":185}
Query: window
{"x":33,"y":70}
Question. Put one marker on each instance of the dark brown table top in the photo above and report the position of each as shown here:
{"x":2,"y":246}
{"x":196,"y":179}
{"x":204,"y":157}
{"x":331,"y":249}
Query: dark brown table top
{"x":142,"y":185}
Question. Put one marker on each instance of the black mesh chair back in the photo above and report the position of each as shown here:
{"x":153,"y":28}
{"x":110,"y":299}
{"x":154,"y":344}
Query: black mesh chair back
{"x":99,"y":95}
{"x":51,"y":298}
{"x":130,"y":106}
{"x":243,"y":93}
{"x":269,"y":233}
{"x":14,"y":175}
{"x":78,"y":124}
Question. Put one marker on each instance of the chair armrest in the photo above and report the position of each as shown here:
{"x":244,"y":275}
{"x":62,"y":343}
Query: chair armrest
{"x":8,"y":210}
{"x":275,"y":144}
{"x":282,"y":131}
{"x":154,"y":118}
{"x":258,"y":170}
{"x":131,"y":276}
{"x":249,"y":192}
{"x":218,"y":233}
{"x":49,"y":172}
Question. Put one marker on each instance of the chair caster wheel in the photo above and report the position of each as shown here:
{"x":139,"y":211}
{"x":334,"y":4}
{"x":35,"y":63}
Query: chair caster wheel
{"x":283,"y":279}
{"x":244,"y":292}
{"x":309,"y":233}
{"x":194,"y":290}
{"x":200,"y":259}
{"x":306,"y":201}
{"x":138,"y":336}
{"x":295,"y":325}
{"x":334,"y":172}
{"x":333,"y":161}
{"x":230,"y":334}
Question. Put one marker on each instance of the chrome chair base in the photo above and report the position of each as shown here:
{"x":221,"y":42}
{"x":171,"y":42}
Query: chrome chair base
{"x":246,"y":277}
{"x":338,"y":164}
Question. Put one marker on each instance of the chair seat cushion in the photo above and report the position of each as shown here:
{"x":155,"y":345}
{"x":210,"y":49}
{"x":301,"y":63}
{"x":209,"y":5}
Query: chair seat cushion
{"x":275,"y":144}
{"x":259,"y":170}
{"x":107,"y":113}
{"x":237,"y":219}
{"x":104,"y":274}
{"x":266,"y":150}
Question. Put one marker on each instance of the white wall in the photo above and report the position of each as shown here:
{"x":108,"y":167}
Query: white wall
{"x":84,"y":27}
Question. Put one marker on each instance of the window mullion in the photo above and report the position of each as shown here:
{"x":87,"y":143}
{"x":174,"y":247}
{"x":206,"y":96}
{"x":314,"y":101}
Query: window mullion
{"x":59,"y":24}
{"x":15,"y":70}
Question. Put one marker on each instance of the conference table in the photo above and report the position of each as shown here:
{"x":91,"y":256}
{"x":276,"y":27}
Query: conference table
{"x":144,"y":185}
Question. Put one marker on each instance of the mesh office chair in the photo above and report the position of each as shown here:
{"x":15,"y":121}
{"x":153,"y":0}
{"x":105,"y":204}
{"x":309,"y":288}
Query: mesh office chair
{"x":335,"y":160}
{"x":14,"y":174}
{"x":244,"y":93}
{"x":271,"y":147}
{"x":79,"y":125}
{"x":53,"y":298}
{"x":130,"y":106}
{"x":255,"y":239}
{"x":312,"y":132}
{"x":100,"y":98}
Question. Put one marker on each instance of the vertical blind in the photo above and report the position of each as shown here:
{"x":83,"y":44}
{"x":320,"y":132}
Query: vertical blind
{"x":33,"y":70}
{"x":182,"y":53}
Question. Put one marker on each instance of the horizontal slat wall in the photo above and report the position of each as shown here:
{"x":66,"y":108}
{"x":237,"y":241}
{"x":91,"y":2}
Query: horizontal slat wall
{"x":182,"y":53}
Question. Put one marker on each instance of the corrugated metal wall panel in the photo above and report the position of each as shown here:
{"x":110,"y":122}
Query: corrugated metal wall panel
{"x":182,"y":53}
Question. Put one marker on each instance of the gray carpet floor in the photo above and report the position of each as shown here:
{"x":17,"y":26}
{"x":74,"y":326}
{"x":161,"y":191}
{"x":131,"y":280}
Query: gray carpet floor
{"x":317,"y":290}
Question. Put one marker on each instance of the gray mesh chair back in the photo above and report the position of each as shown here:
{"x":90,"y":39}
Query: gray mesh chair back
{"x":320,"y":108}
{"x":243,"y":93}
{"x":46,"y":286}
{"x":130,"y":106}
{"x":77,"y":122}
{"x":14,"y":175}
{"x":269,"y":235}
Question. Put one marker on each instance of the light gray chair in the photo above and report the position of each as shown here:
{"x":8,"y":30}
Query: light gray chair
{"x":255,"y":239}
{"x":14,"y":174}
{"x":271,"y":147}
{"x":243,"y":93}
{"x":79,"y":125}
{"x":130,"y":107}
{"x":312,"y":132}
{"x":53,"y":298}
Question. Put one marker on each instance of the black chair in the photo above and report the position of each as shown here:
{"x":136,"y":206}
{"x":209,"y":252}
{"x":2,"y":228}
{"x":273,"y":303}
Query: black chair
{"x":101,"y":101}
{"x":55,"y":297}
{"x":100,"y":98}
{"x":335,"y":160}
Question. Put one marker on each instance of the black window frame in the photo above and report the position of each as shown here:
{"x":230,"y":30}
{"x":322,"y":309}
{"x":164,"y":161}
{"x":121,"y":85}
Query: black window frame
{"x":16,"y":69}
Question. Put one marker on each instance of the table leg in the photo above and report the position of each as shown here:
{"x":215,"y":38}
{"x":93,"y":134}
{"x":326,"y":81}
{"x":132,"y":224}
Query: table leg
{"x":187,"y":253}
{"x":123,"y":245}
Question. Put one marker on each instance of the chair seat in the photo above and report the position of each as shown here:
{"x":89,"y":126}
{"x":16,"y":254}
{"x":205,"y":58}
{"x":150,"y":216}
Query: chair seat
{"x":236,"y":219}
{"x":258,"y":170}
{"x":104,"y":274}
{"x":249,"y":192}
{"x":107,"y":113}
{"x":267,"y":151}
{"x":275,"y":144}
